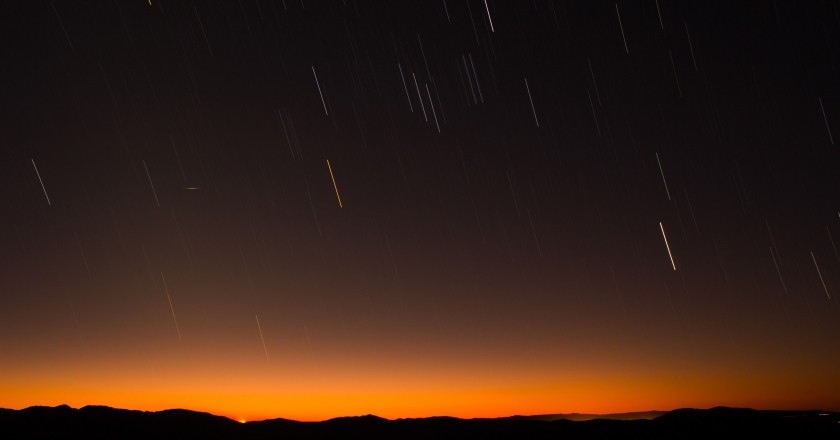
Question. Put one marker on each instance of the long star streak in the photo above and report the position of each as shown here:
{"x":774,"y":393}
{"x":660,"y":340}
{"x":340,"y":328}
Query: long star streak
{"x":667,"y":246}
{"x":819,"y":272}
{"x":259,"y":327}
{"x":487,"y":8}
{"x":317,"y":83}
{"x":42,"y":182}
{"x":171,"y":308}
{"x":335,"y":186}
{"x":149,"y":176}
{"x":626,"y":49}
{"x":667,"y":193}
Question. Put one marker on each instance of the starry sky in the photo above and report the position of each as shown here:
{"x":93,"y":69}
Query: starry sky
{"x":309,"y":209}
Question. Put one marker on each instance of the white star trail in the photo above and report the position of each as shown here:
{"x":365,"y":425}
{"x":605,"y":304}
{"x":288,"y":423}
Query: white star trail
{"x":819,"y":272}
{"x":259,"y":327}
{"x":171,"y":308}
{"x":487,"y":8}
{"x":149,"y":176}
{"x":42,"y":182}
{"x":533,"y":109}
{"x":667,"y":246}
{"x":626,"y":49}
{"x":825,"y":118}
{"x":405,"y":86}
{"x":668,"y":193}
{"x":317,"y":83}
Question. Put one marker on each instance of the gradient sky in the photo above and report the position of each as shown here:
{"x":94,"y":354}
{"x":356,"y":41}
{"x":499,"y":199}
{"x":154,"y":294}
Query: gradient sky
{"x":171,"y":235}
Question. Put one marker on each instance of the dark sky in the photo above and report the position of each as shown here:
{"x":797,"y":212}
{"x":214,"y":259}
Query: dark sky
{"x":309,"y":209}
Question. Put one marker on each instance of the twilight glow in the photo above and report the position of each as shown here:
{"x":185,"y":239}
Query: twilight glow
{"x":307,"y":209}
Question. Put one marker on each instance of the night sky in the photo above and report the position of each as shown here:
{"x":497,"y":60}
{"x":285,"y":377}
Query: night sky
{"x":309,"y":209}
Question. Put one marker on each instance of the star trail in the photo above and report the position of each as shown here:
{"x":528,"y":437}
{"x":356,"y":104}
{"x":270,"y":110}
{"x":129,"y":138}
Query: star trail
{"x":426,"y":207}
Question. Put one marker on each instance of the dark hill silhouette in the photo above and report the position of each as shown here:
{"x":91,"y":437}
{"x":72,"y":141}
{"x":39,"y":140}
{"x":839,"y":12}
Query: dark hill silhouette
{"x":579,"y":417}
{"x":100,"y":422}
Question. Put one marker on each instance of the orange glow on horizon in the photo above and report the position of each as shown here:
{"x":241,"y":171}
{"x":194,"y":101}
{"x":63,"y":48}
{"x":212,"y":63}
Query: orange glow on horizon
{"x":412,"y":380}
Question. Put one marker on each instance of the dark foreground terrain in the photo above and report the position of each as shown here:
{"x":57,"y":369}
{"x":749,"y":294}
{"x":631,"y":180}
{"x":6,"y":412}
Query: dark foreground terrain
{"x":98,"y":422}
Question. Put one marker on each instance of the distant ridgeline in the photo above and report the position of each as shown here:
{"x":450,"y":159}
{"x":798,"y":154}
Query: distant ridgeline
{"x":99,"y":422}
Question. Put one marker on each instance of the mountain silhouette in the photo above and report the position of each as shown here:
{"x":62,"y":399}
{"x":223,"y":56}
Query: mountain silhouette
{"x":101,"y":422}
{"x":584,"y":417}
